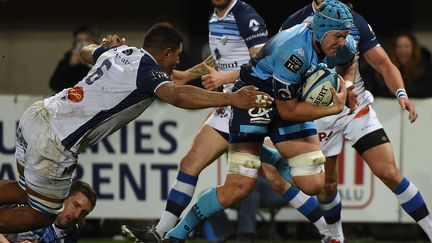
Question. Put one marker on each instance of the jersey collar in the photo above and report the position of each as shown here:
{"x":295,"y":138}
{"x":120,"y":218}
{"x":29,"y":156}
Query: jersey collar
{"x":148,"y":53}
{"x":226,"y":12}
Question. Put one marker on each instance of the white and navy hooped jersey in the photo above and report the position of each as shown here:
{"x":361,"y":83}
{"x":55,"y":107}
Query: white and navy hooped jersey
{"x":362,"y":33}
{"x":119,"y":87}
{"x":231,"y":36}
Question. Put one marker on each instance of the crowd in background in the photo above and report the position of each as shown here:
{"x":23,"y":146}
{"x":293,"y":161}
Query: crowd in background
{"x":412,"y":59}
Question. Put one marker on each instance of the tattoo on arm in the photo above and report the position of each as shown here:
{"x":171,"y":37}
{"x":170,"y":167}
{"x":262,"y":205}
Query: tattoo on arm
{"x":199,"y":70}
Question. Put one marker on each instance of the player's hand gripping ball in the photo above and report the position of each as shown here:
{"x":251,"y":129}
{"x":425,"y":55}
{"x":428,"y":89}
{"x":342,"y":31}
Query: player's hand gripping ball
{"x":316,"y":88}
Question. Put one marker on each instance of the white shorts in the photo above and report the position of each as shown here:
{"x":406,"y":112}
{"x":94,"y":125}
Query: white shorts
{"x":332,"y":130}
{"x":48,"y":165}
{"x":220,"y":118}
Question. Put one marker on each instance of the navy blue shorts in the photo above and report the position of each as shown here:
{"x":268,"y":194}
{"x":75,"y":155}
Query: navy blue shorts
{"x":253,"y":125}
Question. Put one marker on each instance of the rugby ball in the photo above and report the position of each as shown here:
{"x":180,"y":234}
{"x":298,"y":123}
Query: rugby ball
{"x":316,"y":88}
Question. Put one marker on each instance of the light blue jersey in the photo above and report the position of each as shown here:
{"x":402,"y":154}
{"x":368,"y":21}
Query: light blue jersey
{"x":286,"y":60}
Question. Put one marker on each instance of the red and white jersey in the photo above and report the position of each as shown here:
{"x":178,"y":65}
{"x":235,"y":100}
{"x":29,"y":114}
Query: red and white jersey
{"x":119,"y":87}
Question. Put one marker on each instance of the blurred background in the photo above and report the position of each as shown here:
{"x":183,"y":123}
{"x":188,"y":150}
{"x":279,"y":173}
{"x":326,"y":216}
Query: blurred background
{"x":132,"y":170}
{"x":39,"y":32}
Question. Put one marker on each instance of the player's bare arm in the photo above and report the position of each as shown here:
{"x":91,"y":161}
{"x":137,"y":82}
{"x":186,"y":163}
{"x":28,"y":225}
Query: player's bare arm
{"x":86,"y":52}
{"x":195,"y":72}
{"x":3,"y":239}
{"x":380,"y":61}
{"x":296,"y":110}
{"x":348,"y":72}
{"x":215,"y":79}
{"x":190,"y":97}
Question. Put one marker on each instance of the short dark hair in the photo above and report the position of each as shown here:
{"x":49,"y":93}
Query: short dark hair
{"x":84,"y":188}
{"x":161,"y":36}
{"x":91,"y":31}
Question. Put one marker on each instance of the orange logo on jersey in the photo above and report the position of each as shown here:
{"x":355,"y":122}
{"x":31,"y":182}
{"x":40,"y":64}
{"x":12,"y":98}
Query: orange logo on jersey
{"x":75,"y":94}
{"x":362,"y":112}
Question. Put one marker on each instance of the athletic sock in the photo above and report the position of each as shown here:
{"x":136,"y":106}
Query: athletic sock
{"x":308,"y":206}
{"x":178,"y":199}
{"x":206,"y":206}
{"x":332,"y":214}
{"x":412,"y":202}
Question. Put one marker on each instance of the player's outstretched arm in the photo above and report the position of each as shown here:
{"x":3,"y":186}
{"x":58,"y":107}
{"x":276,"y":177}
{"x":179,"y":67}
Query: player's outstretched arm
{"x":214,"y":79}
{"x":379,"y":60}
{"x":195,"y":72}
{"x":190,"y":97}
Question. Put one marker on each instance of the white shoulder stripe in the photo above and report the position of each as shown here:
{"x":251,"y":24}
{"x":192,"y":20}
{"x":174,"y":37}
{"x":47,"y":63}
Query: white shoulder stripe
{"x":157,"y":87}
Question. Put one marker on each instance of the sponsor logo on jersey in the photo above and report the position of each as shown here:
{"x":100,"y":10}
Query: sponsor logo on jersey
{"x":226,"y":65}
{"x":123,"y":59}
{"x":254,"y":25}
{"x":127,"y":52}
{"x":221,"y":112}
{"x":256,"y":35}
{"x":300,"y":51}
{"x":159,"y":75}
{"x":260,"y":115}
{"x":224,"y":40}
{"x":75,"y":94}
{"x":293,"y":63}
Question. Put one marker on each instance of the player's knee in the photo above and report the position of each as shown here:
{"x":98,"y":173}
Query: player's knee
{"x":191,"y":166}
{"x":311,"y":184}
{"x":389,"y":174}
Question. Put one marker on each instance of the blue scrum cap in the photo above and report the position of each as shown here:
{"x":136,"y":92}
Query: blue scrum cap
{"x":333,"y":15}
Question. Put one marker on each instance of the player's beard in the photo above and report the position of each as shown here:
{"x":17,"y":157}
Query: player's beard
{"x":221,"y":5}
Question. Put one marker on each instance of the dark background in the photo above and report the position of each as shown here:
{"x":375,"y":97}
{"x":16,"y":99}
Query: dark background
{"x":384,"y":16}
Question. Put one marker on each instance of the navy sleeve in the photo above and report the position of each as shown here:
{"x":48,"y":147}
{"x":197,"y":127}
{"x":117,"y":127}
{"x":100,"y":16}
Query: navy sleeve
{"x":150,"y":76}
{"x":99,"y":51}
{"x":297,"y":18}
{"x":368,"y":39}
{"x":250,"y":25}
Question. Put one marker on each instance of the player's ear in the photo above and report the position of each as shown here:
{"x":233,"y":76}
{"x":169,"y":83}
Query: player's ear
{"x":166,"y":53}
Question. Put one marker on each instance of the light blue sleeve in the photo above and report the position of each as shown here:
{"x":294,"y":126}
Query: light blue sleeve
{"x":290,"y":65}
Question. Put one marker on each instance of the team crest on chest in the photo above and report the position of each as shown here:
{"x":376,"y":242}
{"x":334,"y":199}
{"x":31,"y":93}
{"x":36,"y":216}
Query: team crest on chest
{"x":224,"y":40}
{"x":75,"y":94}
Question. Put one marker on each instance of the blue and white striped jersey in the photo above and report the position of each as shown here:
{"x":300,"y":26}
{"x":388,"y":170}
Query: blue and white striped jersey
{"x":119,"y":87}
{"x":362,"y":33}
{"x":50,"y":234}
{"x":231,"y":35}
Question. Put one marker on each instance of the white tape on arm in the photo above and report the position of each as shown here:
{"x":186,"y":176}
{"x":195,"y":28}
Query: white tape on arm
{"x":348,"y":84}
{"x":401,"y":93}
